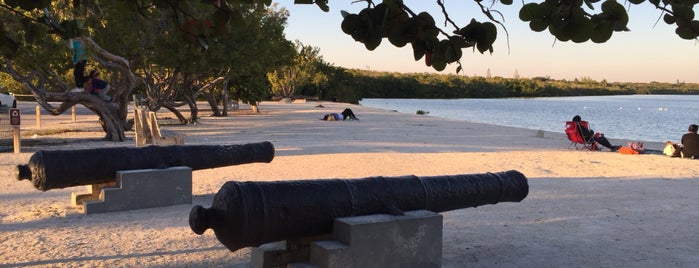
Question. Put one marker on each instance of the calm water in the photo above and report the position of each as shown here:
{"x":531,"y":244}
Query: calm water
{"x":637,"y":117}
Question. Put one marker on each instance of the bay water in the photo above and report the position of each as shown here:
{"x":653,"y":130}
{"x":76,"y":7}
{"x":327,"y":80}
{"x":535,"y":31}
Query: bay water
{"x":655,"y":118}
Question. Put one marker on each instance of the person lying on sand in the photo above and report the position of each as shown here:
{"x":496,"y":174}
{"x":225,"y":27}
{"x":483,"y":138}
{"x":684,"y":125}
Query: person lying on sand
{"x":347,"y":114}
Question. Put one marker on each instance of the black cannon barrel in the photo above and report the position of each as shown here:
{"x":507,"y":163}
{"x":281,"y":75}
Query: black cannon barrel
{"x":67,"y":168}
{"x":247,"y":214}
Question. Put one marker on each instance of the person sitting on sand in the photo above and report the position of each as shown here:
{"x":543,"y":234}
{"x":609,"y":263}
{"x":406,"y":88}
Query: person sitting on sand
{"x":588,"y":133}
{"x":346,"y":114}
{"x":690,"y":143}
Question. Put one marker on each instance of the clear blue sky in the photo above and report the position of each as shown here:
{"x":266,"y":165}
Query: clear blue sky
{"x":649,"y":52}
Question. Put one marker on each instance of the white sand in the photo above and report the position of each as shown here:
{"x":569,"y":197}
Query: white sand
{"x":584,"y":209}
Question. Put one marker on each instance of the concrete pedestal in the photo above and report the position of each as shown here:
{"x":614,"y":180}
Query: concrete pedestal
{"x":410,"y":240}
{"x":138,"y":189}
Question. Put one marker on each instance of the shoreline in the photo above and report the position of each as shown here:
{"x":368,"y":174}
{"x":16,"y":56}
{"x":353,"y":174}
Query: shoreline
{"x":584,"y":208}
{"x":613,"y":123}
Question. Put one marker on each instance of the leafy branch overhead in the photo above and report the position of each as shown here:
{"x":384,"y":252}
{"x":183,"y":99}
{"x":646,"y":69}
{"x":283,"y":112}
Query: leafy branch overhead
{"x":567,"y":20}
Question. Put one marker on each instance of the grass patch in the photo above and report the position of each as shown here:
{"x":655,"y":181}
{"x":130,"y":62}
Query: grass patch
{"x":29,"y":137}
{"x":47,"y":132}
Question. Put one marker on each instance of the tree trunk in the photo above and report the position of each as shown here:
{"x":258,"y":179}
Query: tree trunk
{"x":112,"y":124}
{"x":113,"y":115}
{"x":178,"y":114}
{"x":193,"y":110}
{"x":224,"y":95}
{"x":211,"y":99}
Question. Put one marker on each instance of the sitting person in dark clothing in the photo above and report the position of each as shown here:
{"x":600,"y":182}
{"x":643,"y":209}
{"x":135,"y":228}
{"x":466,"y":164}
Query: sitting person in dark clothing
{"x":690,"y":143}
{"x":345,"y":115}
{"x":96,"y":86}
{"x":588,"y":133}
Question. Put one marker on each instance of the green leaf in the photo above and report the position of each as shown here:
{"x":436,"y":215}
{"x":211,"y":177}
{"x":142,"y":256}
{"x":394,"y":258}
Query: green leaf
{"x":372,"y":42}
{"x":419,"y":49}
{"x":683,"y":12}
{"x":601,"y":33}
{"x":490,"y":33}
{"x":589,"y":5}
{"x":538,"y":25}
{"x":439,"y":64}
{"x":323,"y":6}
{"x":688,"y":32}
{"x":349,"y":24}
{"x":398,"y":38}
{"x":528,"y":11}
{"x":583,"y":31}
{"x":669,"y":19}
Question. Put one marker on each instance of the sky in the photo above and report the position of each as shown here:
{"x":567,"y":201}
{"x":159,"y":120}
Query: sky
{"x":651,"y":51}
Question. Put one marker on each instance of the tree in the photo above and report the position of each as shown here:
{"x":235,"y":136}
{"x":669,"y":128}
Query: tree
{"x":42,"y":63}
{"x":567,"y":20}
{"x":132,"y":34}
{"x":305,"y":70}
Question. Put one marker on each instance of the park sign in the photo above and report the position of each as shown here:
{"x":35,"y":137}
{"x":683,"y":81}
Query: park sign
{"x":14,"y":117}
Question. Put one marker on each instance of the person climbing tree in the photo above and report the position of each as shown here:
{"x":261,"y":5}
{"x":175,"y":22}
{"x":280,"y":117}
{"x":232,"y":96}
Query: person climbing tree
{"x":79,"y":61}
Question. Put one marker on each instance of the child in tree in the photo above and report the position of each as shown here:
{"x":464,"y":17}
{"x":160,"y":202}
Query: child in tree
{"x":79,"y":61}
{"x":97,"y":86}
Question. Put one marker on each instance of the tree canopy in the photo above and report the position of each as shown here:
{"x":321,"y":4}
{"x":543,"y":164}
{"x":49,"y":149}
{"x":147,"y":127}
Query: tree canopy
{"x":146,"y":48}
{"x":305,"y":69}
{"x":568,"y":20}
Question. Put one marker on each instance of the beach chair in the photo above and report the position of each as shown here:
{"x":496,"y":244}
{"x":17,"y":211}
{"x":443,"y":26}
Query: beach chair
{"x":574,"y":132}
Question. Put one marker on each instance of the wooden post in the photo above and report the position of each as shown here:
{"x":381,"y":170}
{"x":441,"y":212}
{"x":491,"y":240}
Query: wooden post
{"x":38,"y":116}
{"x":72,"y":109}
{"x":15,"y":139}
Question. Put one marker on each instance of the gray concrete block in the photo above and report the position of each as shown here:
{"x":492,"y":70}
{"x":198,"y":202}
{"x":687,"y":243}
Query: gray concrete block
{"x":410,"y":240}
{"x":145,"y":188}
{"x":267,"y":255}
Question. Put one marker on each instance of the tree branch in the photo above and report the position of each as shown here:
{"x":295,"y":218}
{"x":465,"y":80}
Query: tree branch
{"x":446,"y":15}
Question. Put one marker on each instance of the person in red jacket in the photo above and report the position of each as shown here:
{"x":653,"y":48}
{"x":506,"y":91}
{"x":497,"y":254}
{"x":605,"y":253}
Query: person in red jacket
{"x":599,"y":138}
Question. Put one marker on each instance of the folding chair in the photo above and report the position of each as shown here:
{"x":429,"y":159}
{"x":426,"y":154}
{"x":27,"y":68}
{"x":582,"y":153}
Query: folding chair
{"x":574,"y":132}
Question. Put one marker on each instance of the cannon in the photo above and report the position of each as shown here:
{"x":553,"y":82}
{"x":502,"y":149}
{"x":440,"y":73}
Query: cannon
{"x":67,"y":168}
{"x":246,"y":214}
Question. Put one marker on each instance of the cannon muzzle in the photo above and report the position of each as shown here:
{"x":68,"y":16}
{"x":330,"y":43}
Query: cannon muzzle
{"x":247,"y":214}
{"x":67,"y":168}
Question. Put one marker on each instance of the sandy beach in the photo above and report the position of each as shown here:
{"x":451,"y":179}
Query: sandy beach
{"x":584,"y":209}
